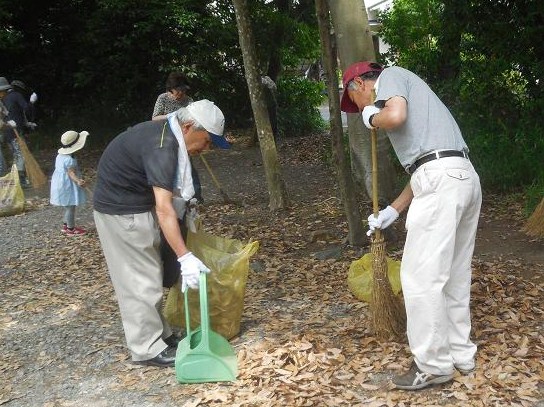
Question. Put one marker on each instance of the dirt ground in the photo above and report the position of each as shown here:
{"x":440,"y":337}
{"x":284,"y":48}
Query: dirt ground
{"x":305,"y":340}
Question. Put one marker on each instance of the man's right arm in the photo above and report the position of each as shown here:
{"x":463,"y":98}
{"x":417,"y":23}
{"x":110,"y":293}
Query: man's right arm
{"x":168,"y":220}
{"x":404,"y":199}
{"x":392,"y":115}
{"x":158,"y":110}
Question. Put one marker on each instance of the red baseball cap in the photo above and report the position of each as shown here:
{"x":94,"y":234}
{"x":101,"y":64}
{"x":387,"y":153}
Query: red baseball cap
{"x":354,"y":70}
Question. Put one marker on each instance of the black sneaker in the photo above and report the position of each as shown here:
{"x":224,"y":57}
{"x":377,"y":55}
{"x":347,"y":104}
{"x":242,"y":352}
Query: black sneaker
{"x":415,"y":379}
{"x":166,"y":358}
{"x":172,"y":341}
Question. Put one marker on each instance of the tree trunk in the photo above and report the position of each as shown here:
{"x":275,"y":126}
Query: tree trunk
{"x":345,"y":181}
{"x":354,"y":42}
{"x":276,"y":186}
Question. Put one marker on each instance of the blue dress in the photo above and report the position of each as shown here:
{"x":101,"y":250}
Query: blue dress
{"x":64,"y":191}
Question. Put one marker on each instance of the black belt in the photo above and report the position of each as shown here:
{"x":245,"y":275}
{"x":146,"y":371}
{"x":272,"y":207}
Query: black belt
{"x":434,"y":156}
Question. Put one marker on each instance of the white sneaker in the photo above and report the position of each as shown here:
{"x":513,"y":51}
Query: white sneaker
{"x":415,"y":379}
{"x":465,"y":368}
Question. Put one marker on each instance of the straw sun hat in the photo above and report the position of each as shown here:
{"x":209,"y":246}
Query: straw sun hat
{"x":72,"y":141}
{"x":4,"y":84}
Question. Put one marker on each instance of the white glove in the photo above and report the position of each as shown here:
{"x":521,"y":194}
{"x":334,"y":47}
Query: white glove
{"x":385,"y":218}
{"x":31,"y":125}
{"x":191,"y":267}
{"x":368,"y":111}
{"x":33,"y":97}
{"x":11,"y":123}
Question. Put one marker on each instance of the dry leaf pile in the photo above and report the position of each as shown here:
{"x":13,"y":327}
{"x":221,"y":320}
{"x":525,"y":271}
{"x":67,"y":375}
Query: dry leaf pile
{"x":304,"y":341}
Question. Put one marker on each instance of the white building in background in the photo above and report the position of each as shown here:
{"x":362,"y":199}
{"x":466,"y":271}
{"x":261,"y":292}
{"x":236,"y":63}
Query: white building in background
{"x":373,"y":7}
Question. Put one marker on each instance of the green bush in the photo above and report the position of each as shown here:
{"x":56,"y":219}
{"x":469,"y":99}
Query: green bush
{"x":509,"y":159}
{"x":466,"y":52}
{"x":298,"y":101}
{"x":534,"y":194}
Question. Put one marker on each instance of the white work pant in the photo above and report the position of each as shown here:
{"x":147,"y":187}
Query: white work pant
{"x":436,"y":265}
{"x":131,"y":247}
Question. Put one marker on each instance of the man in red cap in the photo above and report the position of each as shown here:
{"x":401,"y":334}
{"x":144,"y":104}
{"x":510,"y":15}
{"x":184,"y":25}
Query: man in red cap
{"x":444,"y":197}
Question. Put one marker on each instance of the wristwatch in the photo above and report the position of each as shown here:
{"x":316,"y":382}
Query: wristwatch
{"x":371,"y":118}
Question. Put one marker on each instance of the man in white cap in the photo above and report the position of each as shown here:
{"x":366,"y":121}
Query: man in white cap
{"x":139,"y":174}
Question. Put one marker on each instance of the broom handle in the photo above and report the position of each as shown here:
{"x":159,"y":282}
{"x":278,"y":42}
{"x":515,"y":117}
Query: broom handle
{"x":216,"y":182}
{"x":374,"y":143}
{"x":16,"y":133}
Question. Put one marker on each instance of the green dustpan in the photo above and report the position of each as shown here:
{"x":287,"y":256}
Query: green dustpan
{"x":204,"y":355}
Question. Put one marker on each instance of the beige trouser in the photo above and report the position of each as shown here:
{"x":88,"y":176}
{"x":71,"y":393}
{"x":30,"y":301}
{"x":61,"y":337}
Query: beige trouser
{"x":131,"y":247}
{"x":436,"y":265}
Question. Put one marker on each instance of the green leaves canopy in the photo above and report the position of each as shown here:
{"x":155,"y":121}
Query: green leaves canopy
{"x":100,"y":64}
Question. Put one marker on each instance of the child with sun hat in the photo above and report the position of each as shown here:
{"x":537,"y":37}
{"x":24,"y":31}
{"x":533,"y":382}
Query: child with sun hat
{"x":66,"y":182}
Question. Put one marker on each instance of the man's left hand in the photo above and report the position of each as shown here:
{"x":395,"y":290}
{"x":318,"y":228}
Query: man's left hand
{"x":368,"y":112}
{"x":385,"y":218}
{"x":191,"y":267}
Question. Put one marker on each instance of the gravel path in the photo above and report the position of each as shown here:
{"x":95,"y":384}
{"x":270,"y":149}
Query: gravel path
{"x":22,"y":233}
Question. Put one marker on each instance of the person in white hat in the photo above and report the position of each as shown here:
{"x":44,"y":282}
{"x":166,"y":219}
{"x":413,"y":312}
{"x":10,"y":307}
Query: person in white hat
{"x":7,"y":135}
{"x":66,"y":182}
{"x":4,"y":87}
{"x":139,"y":173}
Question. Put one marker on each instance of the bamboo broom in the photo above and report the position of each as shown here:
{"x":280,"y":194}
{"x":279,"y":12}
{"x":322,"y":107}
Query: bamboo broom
{"x":388,"y":315}
{"x":224,"y":195}
{"x":35,"y":174}
{"x":535,"y":224}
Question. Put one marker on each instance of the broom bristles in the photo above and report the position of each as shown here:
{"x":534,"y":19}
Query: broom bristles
{"x":388,"y":314}
{"x":35,"y":174}
{"x":535,"y":224}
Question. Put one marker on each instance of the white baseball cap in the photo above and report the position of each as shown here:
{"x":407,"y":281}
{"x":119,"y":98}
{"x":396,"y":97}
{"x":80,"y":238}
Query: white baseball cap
{"x":211,"y":118}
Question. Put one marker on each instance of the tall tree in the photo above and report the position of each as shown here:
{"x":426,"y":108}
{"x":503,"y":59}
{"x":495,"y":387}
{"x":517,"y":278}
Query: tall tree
{"x":276,"y":185}
{"x":354,"y":42}
{"x":345,"y":181}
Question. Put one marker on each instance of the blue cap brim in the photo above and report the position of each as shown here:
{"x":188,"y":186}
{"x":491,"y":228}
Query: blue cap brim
{"x":219,"y":141}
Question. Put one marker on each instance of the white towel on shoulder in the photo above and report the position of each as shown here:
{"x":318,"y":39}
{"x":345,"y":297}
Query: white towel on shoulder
{"x":184,"y":179}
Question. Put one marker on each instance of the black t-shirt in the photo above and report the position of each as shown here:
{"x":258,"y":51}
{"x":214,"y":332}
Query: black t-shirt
{"x":135,"y":161}
{"x":18,"y":107}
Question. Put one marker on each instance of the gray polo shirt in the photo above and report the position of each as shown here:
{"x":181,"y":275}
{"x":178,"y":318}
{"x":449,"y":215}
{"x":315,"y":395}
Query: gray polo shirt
{"x":429,"y":124}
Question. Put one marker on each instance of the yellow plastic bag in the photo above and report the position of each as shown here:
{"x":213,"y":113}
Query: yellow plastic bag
{"x":360,"y":277}
{"x":12,"y":198}
{"x":228,"y":260}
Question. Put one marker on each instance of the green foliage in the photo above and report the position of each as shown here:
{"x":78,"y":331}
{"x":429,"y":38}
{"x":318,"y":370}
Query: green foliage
{"x":534,"y":195}
{"x":507,"y":160}
{"x":298,"y":99}
{"x":100,"y":64}
{"x":484,"y":60}
{"x":410,"y":30}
